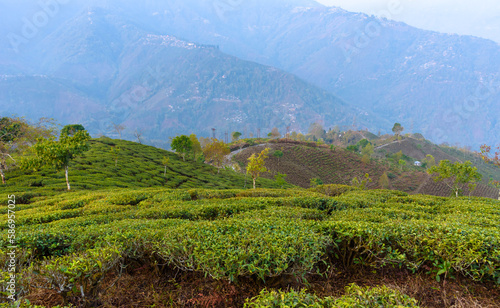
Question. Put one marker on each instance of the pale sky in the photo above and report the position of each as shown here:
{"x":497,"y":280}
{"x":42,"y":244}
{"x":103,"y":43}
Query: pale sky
{"x":480,"y":17}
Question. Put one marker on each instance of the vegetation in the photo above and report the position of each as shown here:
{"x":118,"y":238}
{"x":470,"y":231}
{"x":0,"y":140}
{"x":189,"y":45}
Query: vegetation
{"x":456,"y":176}
{"x":256,"y":165}
{"x":215,"y":152}
{"x":234,"y":235}
{"x":182,"y":145}
{"x":58,"y":153}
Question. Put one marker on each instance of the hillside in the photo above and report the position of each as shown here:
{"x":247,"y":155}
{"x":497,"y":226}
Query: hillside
{"x":419,"y":149}
{"x":303,"y":161}
{"x":134,"y":166}
{"x":446,"y":85}
{"x":114,"y":71}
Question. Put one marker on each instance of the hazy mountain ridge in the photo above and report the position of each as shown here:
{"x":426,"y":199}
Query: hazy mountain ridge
{"x":161,"y":85}
{"x":444,"y":86}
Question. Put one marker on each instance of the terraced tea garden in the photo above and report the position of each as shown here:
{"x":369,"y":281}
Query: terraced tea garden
{"x":166,"y":247}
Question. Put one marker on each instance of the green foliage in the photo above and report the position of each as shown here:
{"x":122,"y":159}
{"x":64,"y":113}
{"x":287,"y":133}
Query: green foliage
{"x":384,"y":181}
{"x":256,"y":165}
{"x":361,"y":183}
{"x":397,"y":129}
{"x":355,"y":297}
{"x":73,"y":239}
{"x":182,"y":145}
{"x":235,"y":136}
{"x":333,"y":190}
{"x":456,"y":176}
{"x":280,"y":179}
{"x":72,"y":129}
{"x":315,"y":182}
{"x":215,"y":152}
{"x":57,"y":153}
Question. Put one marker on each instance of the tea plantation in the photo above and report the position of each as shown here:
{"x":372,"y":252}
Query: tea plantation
{"x":251,"y":248}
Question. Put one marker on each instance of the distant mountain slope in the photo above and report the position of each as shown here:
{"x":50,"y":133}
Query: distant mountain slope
{"x":100,"y":69}
{"x":444,"y":86}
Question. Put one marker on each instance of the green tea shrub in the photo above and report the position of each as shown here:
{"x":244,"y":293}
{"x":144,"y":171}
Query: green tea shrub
{"x":233,"y":248}
{"x":377,"y":297}
{"x":280,"y":299}
{"x":78,"y":273}
{"x":333,"y":190}
{"x":355,"y":297}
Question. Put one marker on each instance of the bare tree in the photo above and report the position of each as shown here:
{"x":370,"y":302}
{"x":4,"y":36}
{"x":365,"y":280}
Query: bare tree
{"x":118,"y":129}
{"x":138,"y":135}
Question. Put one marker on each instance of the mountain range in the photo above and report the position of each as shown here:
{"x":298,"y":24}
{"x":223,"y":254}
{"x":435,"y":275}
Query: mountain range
{"x":177,"y":66}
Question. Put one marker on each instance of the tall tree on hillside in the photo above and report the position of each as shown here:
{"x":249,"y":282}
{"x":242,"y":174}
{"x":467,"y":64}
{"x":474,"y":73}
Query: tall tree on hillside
{"x":256,"y":164}
{"x":182,"y":145}
{"x":17,"y":135}
{"x":317,"y":130}
{"x":215,"y":152}
{"x":275,"y":134}
{"x":196,"y":146}
{"x":456,"y":176}
{"x":58,"y":153}
{"x":430,"y":161}
{"x":235,"y":136}
{"x":72,"y":129}
{"x":397,"y":129}
{"x":384,"y":181}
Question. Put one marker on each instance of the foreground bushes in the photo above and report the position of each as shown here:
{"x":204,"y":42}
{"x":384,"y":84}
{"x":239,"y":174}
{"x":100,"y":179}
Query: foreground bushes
{"x":355,"y":297}
{"x":264,"y":233}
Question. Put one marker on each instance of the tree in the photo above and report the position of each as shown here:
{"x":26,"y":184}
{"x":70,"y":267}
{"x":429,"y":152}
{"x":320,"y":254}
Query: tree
{"x":196,"y":148}
{"x":256,"y":164}
{"x":164,"y":161}
{"x":317,"y":130}
{"x":398,"y":156}
{"x":138,"y":135}
{"x":430,"y":161}
{"x":182,"y":145}
{"x":72,"y":129}
{"x":361,"y":184}
{"x":275,"y":134}
{"x":384,"y":181}
{"x":456,"y":176}
{"x":17,"y":135}
{"x":397,"y":129}
{"x":489,"y":157}
{"x":402,"y":163}
{"x":57,"y":153}
{"x":278,"y":154}
{"x":280,"y":179}
{"x":216,"y":152}
{"x":235,"y":136}
{"x":118,"y":129}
